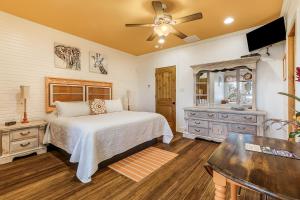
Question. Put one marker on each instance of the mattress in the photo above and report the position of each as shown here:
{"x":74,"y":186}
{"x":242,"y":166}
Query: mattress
{"x":94,"y":138}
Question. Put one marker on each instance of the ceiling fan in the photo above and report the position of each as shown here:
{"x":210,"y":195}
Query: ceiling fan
{"x":164,"y":24}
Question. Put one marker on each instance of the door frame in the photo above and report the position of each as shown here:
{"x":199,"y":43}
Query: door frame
{"x":175,"y":95}
{"x":291,"y":41}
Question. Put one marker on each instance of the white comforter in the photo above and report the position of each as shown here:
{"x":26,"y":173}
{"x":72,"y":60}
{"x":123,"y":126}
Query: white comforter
{"x":94,"y":138}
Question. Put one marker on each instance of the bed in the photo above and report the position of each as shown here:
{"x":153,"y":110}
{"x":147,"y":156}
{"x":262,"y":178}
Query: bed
{"x":93,"y":139}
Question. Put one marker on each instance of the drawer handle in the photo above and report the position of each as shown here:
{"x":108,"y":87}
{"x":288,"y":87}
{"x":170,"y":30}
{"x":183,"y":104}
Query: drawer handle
{"x":197,"y":130}
{"x":192,"y":113}
{"x":210,"y":115}
{"x":197,"y":122}
{"x":225,"y":116}
{"x":23,"y":134}
{"x":25,"y":145}
{"x":248,"y":118}
{"x":241,"y":128}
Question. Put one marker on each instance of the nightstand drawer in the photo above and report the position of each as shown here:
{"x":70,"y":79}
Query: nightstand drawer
{"x":24,"y":134}
{"x":23,"y":145}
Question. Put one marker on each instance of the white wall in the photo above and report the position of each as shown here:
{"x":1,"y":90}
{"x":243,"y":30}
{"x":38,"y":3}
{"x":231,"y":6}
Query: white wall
{"x":27,"y":56}
{"x":226,"y":47}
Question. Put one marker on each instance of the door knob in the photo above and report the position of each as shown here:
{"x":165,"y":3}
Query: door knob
{"x":174,"y":102}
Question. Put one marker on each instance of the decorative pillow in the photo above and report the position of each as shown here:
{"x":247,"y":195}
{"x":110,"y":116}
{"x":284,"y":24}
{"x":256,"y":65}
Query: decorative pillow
{"x":72,"y":109}
{"x":113,"y":105}
{"x":97,"y":107}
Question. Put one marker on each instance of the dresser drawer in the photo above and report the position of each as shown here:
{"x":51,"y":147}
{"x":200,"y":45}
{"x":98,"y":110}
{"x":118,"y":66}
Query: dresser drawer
{"x":248,"y":118}
{"x":237,"y":117}
{"x":204,"y":115}
{"x":24,"y":134}
{"x":198,"y":123}
{"x":240,"y":128}
{"x":218,"y":130}
{"x":23,"y":145}
{"x":198,"y":131}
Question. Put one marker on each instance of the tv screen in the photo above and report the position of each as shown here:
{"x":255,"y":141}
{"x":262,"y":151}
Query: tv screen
{"x":266,"y":35}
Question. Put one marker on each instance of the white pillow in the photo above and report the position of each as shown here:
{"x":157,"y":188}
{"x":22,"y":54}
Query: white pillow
{"x":113,"y":105}
{"x":72,"y":109}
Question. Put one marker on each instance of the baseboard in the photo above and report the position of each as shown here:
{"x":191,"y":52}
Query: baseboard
{"x":180,"y":129}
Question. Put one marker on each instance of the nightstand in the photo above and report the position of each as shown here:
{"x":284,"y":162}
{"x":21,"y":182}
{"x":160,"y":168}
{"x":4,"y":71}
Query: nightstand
{"x":21,"y":139}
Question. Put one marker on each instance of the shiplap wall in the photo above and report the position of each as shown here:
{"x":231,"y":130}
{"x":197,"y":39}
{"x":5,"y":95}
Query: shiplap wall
{"x":27,"y":56}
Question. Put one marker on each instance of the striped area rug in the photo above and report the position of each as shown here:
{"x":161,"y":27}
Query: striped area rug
{"x":143,"y":163}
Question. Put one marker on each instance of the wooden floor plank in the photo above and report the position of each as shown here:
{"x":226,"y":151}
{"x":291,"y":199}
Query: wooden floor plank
{"x":51,"y":176}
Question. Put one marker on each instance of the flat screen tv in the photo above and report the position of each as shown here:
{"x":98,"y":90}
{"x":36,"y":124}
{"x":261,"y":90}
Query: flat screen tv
{"x":266,"y":35}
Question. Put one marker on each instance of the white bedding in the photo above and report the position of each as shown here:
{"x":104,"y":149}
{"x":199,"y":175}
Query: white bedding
{"x":95,"y":138}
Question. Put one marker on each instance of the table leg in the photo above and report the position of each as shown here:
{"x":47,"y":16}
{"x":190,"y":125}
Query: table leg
{"x":233,"y":191}
{"x":220,"y":186}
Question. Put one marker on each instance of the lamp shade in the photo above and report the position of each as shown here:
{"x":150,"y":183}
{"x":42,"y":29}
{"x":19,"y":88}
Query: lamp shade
{"x":24,"y":91}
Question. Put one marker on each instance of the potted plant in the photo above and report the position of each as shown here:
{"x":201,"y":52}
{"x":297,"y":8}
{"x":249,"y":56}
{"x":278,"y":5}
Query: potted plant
{"x":294,"y":135}
{"x":295,"y":123}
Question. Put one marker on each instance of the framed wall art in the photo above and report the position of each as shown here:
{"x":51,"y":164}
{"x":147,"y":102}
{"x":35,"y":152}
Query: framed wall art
{"x":98,"y":63}
{"x":67,"y":57}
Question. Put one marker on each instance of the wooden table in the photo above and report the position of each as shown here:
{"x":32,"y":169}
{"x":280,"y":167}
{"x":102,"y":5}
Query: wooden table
{"x":274,"y":176}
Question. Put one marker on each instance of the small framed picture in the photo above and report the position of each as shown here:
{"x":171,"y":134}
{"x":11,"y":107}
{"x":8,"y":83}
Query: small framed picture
{"x":98,"y":63}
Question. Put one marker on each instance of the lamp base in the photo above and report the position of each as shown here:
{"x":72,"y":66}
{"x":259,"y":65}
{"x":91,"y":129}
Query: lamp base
{"x":25,"y":119}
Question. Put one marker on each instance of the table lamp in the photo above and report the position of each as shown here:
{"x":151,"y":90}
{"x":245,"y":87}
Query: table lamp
{"x":25,"y":96}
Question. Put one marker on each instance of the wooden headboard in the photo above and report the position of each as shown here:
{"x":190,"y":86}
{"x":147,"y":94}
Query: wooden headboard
{"x":66,"y":90}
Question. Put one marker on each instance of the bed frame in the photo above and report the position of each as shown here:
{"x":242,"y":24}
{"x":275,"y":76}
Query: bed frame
{"x":66,"y":90}
{"x":112,"y":160}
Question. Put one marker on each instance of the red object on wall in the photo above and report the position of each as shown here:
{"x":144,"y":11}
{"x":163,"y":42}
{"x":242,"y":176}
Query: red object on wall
{"x":298,"y":74}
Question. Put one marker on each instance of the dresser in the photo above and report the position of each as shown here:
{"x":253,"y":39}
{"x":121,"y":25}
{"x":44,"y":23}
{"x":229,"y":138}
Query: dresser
{"x":216,"y":124}
{"x":21,"y":139}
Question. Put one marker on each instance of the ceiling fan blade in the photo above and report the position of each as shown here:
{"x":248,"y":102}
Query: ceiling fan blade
{"x":151,"y":37}
{"x":178,"y":33}
{"x":158,"y":8}
{"x":139,"y":25}
{"x":189,"y":18}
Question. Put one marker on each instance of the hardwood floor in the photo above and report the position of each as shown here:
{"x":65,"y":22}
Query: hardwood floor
{"x":50,"y":176}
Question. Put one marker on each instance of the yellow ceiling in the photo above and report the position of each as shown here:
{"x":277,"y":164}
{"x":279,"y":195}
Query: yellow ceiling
{"x":103,"y":21}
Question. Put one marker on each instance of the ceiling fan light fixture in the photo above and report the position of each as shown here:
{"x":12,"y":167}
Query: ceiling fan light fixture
{"x":162,"y":39}
{"x":163,"y":23}
{"x":162,"y":29}
{"x":229,"y":20}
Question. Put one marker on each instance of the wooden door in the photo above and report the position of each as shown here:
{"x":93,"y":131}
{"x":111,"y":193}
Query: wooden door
{"x":291,"y":74}
{"x":166,"y":94}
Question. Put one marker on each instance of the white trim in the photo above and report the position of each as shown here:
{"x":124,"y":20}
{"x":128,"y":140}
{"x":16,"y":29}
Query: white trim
{"x":285,"y":6}
{"x":180,"y":129}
